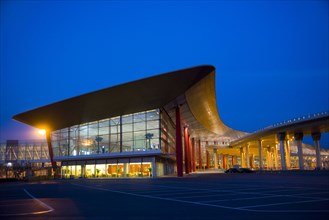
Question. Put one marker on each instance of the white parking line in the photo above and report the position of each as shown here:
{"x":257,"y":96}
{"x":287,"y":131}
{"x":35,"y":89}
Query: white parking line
{"x":238,"y":199}
{"x":162,"y":191}
{"x":179,"y":193}
{"x":50,"y":209}
{"x":160,"y":198}
{"x":212,"y":205}
{"x":200,"y":196}
{"x":261,"y":193}
{"x":284,"y":203}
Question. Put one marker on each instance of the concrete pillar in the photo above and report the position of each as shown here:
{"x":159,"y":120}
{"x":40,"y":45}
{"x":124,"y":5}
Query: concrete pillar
{"x":288,"y":154}
{"x":247,"y":156}
{"x":125,"y":169}
{"x":179,"y":144}
{"x":260,"y":153}
{"x":242,"y":157}
{"x":269,"y":158}
{"x":252,"y":159}
{"x":186,"y":153}
{"x":275,"y":152}
{"x":154,"y":171}
{"x":299,"y":138}
{"x":215,"y":159}
{"x":316,"y":138}
{"x":200,"y":155}
{"x":282,"y":137}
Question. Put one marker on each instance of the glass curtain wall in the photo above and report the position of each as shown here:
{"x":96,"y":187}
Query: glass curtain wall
{"x":132,"y":169}
{"x":168,"y":134}
{"x":133,"y":132}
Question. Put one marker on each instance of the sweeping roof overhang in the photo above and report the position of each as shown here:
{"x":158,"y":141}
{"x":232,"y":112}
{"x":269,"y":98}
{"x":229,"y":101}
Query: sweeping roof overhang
{"x":144,"y":94}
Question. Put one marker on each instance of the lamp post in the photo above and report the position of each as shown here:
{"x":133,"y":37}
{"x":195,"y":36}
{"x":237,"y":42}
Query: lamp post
{"x":98,"y":139}
{"x":148,"y":137}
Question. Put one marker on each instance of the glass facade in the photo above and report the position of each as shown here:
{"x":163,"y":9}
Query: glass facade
{"x":127,"y":133}
{"x":111,"y":169}
{"x":145,"y":131}
{"x":151,"y":130}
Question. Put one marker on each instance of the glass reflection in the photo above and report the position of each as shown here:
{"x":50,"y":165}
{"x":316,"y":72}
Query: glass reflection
{"x":134,"y":132}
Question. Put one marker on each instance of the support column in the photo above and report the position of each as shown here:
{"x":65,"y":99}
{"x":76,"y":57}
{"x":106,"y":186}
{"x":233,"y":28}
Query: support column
{"x":207,"y":159}
{"x":224,"y":161}
{"x":268,"y":158}
{"x":193,"y":155}
{"x":190,"y":159}
{"x":51,"y":153}
{"x":316,"y":138}
{"x":153,"y":171}
{"x":189,"y":153}
{"x":260,"y":154}
{"x":276,"y":157}
{"x":200,"y":155}
{"x":215,"y":159}
{"x":186,"y":143}
{"x":299,"y":138}
{"x":242,"y":158}
{"x":288,"y":154}
{"x":282,"y":137}
{"x":233,"y":160}
{"x":179,"y":144}
{"x":247,"y":156}
{"x":252,"y":159}
{"x":271,"y":157}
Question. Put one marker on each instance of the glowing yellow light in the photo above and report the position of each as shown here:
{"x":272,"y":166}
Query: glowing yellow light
{"x":42,"y":131}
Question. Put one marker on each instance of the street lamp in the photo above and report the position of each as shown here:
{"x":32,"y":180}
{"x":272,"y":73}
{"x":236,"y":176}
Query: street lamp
{"x":42,"y":131}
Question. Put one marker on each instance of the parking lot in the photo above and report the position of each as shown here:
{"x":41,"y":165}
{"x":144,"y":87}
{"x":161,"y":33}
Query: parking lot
{"x":266,"y":195}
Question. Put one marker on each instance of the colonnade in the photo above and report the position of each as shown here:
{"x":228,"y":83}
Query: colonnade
{"x":285,"y":150}
{"x":270,"y":154}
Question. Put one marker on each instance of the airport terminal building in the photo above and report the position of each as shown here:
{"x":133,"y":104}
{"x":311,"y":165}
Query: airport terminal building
{"x":142,"y":128}
{"x":167,"y":124}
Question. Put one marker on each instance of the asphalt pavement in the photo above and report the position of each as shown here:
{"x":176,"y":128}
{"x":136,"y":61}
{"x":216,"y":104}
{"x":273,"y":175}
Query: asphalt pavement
{"x":289,"y":195}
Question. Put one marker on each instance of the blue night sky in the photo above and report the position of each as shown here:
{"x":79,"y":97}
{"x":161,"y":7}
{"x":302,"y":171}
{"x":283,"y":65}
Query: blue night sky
{"x":271,"y":56}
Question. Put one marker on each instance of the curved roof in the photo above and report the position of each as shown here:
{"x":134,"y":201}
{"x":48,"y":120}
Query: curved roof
{"x":196,"y":85}
{"x":201,"y":100}
{"x":140,"y":95}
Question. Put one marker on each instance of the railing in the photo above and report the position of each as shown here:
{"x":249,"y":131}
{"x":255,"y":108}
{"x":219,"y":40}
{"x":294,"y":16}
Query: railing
{"x":303,"y":118}
{"x":292,"y":121}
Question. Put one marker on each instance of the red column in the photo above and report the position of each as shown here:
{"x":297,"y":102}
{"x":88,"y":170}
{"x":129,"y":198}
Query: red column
{"x":179,"y":145}
{"x":193,"y":155}
{"x":233,"y":160}
{"x":51,"y":153}
{"x":207,"y":159}
{"x":186,"y":143}
{"x":224,"y":161}
{"x":190,"y":161}
{"x":200,"y":156}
